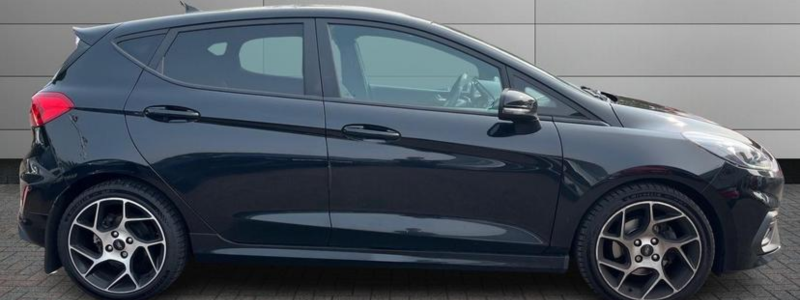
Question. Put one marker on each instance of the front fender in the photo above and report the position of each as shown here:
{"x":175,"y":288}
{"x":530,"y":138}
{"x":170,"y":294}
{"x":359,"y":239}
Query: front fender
{"x":600,"y":159}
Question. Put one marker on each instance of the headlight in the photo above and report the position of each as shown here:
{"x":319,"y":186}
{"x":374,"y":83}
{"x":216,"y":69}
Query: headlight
{"x":734,"y":151}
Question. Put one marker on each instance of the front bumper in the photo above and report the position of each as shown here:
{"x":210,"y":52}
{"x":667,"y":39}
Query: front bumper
{"x":771,"y":240}
{"x":746,"y":203}
{"x":765,"y":244}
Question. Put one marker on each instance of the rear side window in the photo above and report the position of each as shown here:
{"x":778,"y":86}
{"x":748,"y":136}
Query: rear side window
{"x":277,"y":56}
{"x":142,"y":48}
{"x":267,"y":58}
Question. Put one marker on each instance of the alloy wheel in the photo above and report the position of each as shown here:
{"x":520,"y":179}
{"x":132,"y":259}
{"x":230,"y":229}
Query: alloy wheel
{"x":117,"y":245}
{"x":648,"y":250}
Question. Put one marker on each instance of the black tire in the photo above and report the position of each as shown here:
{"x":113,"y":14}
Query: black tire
{"x":175,"y":249}
{"x":599,"y":216}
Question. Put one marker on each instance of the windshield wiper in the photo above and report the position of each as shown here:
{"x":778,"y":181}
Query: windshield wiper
{"x":599,"y":94}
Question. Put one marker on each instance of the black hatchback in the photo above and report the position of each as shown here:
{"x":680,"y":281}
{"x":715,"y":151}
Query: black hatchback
{"x":361,"y":136}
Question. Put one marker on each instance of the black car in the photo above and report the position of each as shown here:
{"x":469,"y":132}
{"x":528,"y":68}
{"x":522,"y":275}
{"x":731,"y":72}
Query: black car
{"x":361,"y":136}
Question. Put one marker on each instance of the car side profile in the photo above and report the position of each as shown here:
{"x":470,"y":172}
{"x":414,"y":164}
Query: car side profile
{"x":346,"y":135}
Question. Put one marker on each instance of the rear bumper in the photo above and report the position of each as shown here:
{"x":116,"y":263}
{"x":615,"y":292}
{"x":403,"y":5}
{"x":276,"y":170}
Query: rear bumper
{"x":32,"y":228}
{"x":41,"y":184}
{"x":34,"y":204}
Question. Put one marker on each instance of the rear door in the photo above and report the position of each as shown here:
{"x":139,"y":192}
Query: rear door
{"x":230,"y":116}
{"x":419,"y":159}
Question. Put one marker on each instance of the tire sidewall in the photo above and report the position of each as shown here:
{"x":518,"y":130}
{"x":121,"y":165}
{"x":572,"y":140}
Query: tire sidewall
{"x":659,"y":194}
{"x":156,"y":208}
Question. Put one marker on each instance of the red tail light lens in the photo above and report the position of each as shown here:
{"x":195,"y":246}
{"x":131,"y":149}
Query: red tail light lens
{"x":47,"y":106}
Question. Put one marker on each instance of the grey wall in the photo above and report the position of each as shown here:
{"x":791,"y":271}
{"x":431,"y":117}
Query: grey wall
{"x":733,"y":61}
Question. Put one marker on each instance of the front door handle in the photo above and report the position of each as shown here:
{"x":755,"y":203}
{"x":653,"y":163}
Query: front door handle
{"x":171,"y":114}
{"x":370,"y":132}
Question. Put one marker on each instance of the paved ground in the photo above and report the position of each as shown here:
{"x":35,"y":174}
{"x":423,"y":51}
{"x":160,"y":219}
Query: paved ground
{"x":21,"y":275}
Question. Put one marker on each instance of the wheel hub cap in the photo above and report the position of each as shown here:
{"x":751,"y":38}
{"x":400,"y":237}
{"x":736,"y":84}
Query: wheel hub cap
{"x":646,"y":250}
{"x":119,"y":245}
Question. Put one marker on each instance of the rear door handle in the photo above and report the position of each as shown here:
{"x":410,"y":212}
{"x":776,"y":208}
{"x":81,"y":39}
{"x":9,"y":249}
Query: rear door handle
{"x":370,"y":132}
{"x":171,"y":114}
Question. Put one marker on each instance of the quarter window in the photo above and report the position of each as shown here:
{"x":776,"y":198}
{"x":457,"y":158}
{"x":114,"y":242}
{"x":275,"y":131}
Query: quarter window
{"x":547,"y":105}
{"x":266,"y":58}
{"x":386,"y":66}
{"x":142,"y":48}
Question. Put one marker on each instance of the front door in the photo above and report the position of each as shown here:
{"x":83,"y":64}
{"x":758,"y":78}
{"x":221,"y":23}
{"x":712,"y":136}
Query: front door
{"x":419,"y":160}
{"x":231,"y":118}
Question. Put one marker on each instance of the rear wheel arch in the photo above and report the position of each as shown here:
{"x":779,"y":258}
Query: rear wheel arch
{"x":52,"y":260}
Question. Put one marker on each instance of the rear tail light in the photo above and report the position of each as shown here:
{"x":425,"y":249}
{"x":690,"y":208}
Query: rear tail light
{"x":47,"y":106}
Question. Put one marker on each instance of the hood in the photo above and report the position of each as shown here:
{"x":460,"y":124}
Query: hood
{"x":635,"y":113}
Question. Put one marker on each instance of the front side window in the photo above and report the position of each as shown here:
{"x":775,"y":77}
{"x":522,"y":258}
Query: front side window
{"x":391,"y":67}
{"x":267,"y":58}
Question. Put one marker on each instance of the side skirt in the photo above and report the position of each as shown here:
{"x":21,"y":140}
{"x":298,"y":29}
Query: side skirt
{"x":212,"y":248}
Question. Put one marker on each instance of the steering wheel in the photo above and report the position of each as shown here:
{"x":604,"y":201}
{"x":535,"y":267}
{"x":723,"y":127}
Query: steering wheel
{"x":491,"y":101}
{"x":455,"y":91}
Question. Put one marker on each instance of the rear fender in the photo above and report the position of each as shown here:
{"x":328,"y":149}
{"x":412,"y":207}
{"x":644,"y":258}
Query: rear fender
{"x":85,"y":176}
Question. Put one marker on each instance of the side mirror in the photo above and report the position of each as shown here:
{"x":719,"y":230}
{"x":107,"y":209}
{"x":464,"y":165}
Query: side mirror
{"x":517,"y":106}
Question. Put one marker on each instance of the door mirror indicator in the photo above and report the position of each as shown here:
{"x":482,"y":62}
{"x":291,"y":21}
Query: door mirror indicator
{"x":517,"y":107}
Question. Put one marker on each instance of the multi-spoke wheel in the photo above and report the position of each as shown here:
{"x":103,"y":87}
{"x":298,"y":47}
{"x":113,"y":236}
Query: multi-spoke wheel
{"x":122,"y":240}
{"x":658,"y":246}
{"x":117,"y":245}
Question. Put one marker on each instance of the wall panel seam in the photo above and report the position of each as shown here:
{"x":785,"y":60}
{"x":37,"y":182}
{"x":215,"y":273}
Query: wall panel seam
{"x":26,"y":76}
{"x":57,"y":24}
{"x":683,"y":76}
{"x":692,"y":24}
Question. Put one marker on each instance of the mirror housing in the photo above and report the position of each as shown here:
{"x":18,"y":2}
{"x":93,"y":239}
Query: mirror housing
{"x":517,"y":106}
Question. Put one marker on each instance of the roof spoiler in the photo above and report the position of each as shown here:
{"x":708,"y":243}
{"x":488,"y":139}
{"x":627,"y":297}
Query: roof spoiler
{"x":91,"y":35}
{"x":188,"y":8}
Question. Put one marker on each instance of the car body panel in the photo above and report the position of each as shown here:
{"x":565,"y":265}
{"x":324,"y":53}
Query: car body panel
{"x":598,"y":159}
{"x":211,"y":248}
{"x":436,"y":187}
{"x":75,"y":150}
{"x":450,"y":183}
{"x":266,"y":167}
{"x":741,"y":199}
{"x":634,"y":113}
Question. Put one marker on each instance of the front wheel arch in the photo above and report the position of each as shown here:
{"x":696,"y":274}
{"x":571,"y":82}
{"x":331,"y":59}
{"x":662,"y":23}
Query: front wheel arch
{"x":616,"y":198}
{"x":697,"y":197}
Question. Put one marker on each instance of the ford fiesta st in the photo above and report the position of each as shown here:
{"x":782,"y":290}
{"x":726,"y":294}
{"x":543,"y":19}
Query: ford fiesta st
{"x":361,"y":136}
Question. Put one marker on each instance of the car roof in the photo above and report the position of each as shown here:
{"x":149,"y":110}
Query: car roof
{"x":267,"y":12}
